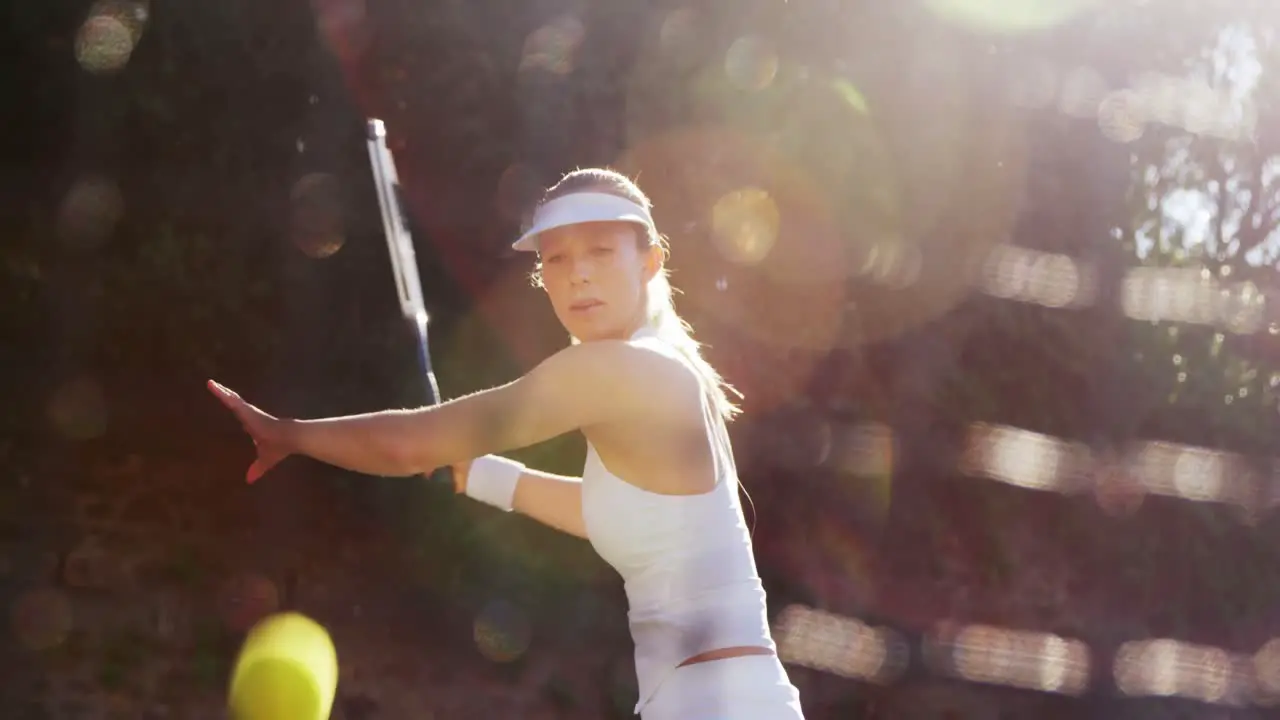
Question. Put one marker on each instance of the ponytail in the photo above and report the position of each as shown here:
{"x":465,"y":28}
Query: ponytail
{"x":663,"y":319}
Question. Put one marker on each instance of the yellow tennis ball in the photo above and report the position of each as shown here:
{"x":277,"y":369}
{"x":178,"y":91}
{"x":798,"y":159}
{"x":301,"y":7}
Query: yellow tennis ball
{"x":287,"y":670}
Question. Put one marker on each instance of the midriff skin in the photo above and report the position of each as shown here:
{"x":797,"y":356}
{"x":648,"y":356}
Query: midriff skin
{"x":729,"y":652}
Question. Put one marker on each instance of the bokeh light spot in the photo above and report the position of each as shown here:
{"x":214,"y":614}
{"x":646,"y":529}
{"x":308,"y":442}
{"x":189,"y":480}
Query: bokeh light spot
{"x":1121,"y":116}
{"x":1030,"y":276}
{"x":893,"y":263}
{"x":109,"y":35}
{"x":1171,"y":668}
{"x":863,"y":450}
{"x":1036,"y":661}
{"x":751,"y":63}
{"x":90,"y":211}
{"x":78,"y":409}
{"x":678,"y":35}
{"x":554,"y":47}
{"x":840,"y":645}
{"x":745,"y":225}
{"x":806,"y":272}
{"x":1266,"y":666}
{"x":316,"y":224}
{"x":502,"y":631}
{"x":41,"y":619}
{"x":851,"y":96}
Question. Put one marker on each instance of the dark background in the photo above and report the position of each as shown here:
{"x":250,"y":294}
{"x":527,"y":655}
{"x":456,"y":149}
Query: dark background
{"x":239,"y":239}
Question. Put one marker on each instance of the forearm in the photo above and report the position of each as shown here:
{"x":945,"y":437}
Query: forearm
{"x":553,"y":500}
{"x":373,"y":444}
{"x":414,"y":442}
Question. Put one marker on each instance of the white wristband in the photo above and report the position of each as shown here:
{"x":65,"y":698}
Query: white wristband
{"x":492,"y":480}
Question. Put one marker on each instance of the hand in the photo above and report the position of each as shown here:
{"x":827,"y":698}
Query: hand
{"x":460,"y":471}
{"x":266,"y":431}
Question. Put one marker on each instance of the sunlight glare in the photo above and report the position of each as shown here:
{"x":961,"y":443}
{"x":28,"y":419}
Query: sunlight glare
{"x":1008,"y":16}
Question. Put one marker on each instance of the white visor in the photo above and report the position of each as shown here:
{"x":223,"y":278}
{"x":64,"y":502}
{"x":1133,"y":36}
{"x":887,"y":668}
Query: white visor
{"x":578,"y":208}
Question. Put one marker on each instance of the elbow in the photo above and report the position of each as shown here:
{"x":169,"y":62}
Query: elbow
{"x":401,"y":458}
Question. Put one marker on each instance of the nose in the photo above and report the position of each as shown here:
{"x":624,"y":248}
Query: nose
{"x":580,"y":271}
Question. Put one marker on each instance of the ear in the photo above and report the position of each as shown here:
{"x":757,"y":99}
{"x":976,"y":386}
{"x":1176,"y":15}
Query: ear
{"x":654,"y":258}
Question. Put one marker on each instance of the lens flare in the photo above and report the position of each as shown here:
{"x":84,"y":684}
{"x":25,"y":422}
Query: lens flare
{"x":317,"y":215}
{"x":744,"y":224}
{"x":1008,"y":16}
{"x":109,"y":35}
{"x":41,"y":619}
{"x":751,"y":63}
{"x":1122,"y":116}
{"x":502,"y":632}
{"x":554,"y":47}
{"x":678,"y":36}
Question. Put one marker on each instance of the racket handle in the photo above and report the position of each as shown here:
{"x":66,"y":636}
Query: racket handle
{"x":424,"y":362}
{"x":445,"y":474}
{"x":442,"y":475}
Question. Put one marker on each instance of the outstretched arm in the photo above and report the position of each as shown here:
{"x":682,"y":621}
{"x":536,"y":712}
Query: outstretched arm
{"x":578,"y":387}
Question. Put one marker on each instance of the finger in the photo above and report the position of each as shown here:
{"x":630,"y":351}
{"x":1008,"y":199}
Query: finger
{"x":225,"y":396}
{"x":223,"y":392}
{"x":262,"y":465}
{"x":256,"y":471}
{"x":233,"y":402}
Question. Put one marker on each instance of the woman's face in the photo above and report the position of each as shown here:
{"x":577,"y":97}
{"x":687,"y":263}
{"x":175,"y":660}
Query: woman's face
{"x":595,"y":275}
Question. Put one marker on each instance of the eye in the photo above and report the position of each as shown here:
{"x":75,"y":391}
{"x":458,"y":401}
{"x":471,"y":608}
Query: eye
{"x":602,"y":250}
{"x":553,"y":259}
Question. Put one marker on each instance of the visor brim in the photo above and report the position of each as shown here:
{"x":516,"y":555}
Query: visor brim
{"x":579,"y":208}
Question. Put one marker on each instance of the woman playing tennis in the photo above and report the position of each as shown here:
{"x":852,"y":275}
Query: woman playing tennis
{"x":658,"y":496}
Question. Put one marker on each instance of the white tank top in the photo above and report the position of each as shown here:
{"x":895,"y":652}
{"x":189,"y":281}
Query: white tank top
{"x":685,"y":560}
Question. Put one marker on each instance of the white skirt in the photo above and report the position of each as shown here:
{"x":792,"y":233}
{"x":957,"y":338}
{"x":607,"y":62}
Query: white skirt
{"x":750,"y":687}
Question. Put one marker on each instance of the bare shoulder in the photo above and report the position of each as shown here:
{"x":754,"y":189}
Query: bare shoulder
{"x":635,"y":362}
{"x":626,"y":375}
{"x":584,"y":386}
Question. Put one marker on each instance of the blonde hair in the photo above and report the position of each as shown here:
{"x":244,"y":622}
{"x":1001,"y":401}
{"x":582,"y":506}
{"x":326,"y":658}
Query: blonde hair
{"x":660,"y":315}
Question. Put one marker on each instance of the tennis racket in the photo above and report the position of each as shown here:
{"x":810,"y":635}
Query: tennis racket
{"x":404,"y":264}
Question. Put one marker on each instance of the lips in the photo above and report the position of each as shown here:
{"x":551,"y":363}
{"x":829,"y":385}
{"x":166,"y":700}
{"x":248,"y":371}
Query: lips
{"x":585,"y":305}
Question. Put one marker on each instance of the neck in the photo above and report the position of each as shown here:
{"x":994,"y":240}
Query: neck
{"x":628,"y":331}
{"x":640,"y":324}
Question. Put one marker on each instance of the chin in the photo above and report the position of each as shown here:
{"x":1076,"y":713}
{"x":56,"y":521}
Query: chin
{"x":586,"y":336}
{"x":585,"y":332}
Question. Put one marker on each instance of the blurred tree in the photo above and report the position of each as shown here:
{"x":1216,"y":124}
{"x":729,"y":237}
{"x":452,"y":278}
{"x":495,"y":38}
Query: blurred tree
{"x":877,"y":130}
